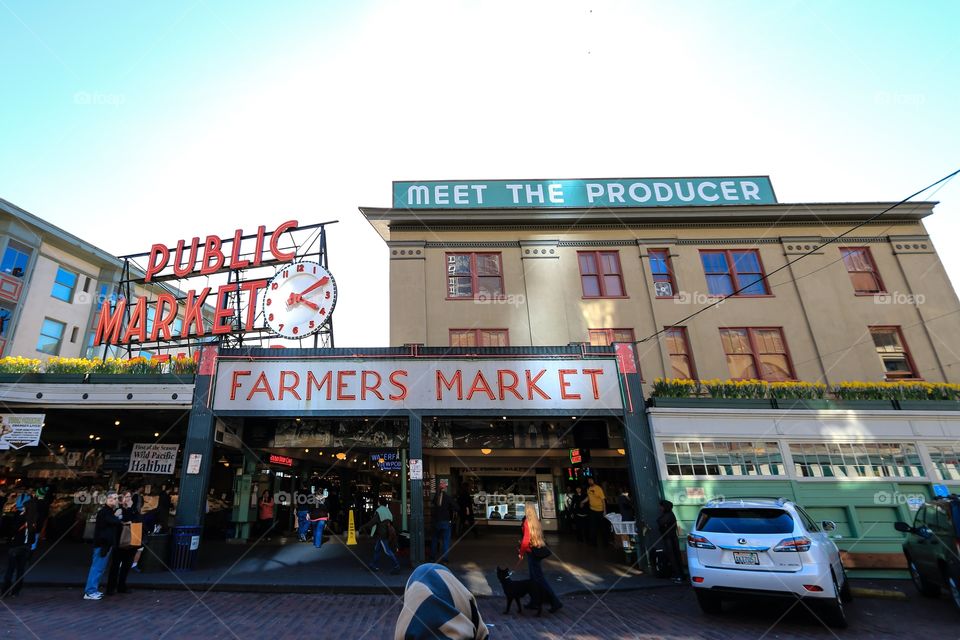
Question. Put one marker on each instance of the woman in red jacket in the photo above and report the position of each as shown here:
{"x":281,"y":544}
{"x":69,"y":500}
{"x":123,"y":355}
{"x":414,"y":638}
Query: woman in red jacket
{"x":535,"y":549}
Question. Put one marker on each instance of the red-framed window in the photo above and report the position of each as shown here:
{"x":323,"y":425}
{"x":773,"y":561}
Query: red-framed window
{"x":862,"y":269}
{"x":894,"y":353}
{"x":606,"y":337}
{"x":479,"y":338}
{"x":664,"y":283}
{"x":757,"y":352}
{"x":474,"y":275}
{"x":728,"y":271}
{"x":600,"y":274}
{"x":681,"y":356}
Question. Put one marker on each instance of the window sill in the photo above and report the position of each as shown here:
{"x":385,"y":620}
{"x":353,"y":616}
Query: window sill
{"x":719,"y":296}
{"x":860,"y":294}
{"x":604,"y":297}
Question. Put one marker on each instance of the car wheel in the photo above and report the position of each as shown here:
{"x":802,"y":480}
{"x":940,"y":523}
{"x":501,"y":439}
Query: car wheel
{"x":923,"y":586}
{"x":954,"y":583}
{"x":833,"y":611}
{"x":710,"y":603}
{"x":846,"y":595}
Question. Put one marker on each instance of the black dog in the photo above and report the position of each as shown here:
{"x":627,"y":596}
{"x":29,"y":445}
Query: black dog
{"x":516,"y":589}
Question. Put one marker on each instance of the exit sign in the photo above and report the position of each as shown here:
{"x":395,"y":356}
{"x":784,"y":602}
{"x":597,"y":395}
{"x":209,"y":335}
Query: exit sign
{"x":281,"y":460}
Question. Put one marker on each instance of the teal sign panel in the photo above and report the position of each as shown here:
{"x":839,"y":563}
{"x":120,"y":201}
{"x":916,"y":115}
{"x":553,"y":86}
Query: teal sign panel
{"x":583,"y":194}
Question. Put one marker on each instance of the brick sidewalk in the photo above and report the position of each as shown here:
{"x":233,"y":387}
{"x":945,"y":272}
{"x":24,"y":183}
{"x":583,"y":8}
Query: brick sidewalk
{"x":670,"y":612}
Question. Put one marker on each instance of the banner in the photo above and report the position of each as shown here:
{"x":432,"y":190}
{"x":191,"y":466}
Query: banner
{"x":18,"y":430}
{"x":602,"y":193}
{"x":302,"y":385}
{"x":153,"y":458}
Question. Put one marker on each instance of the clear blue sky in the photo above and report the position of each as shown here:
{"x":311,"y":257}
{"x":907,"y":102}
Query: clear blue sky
{"x":129,"y":123}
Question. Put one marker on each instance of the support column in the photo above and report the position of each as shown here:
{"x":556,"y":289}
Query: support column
{"x":192,"y":503}
{"x":416,"y":493}
{"x":403,"y":490}
{"x":642,"y":461}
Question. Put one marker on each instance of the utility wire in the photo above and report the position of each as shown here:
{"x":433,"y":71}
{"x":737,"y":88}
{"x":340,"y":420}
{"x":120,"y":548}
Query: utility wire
{"x":802,"y":256}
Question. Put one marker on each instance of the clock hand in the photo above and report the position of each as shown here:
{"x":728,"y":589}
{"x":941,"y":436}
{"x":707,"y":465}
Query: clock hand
{"x":319,"y":283}
{"x":308,"y":303}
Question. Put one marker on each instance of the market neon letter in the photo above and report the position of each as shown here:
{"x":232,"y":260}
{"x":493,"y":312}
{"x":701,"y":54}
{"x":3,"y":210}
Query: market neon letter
{"x":401,"y":388}
{"x":564,"y":384}
{"x":235,"y":382}
{"x":109,"y":325}
{"x":457,"y":379}
{"x":159,"y":255}
{"x":275,"y":238}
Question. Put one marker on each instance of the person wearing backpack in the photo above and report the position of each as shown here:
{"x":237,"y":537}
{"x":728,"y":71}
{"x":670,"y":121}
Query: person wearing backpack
{"x":380,"y":526}
{"x":535,"y":549}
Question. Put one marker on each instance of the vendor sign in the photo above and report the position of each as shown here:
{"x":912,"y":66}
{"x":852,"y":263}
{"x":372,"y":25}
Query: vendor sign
{"x":153,"y":458}
{"x":18,"y":430}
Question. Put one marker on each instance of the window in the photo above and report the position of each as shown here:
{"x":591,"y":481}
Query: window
{"x":734,"y":271}
{"x":6,"y":320}
{"x":946,"y":460}
{"x":726,"y":459}
{"x":896,"y":359}
{"x":600,"y":274}
{"x":63,"y":285}
{"x":474,"y":276}
{"x":606,"y":337}
{"x":856,"y":460}
{"x":681,"y":359}
{"x":15,"y":259}
{"x":51,"y":335}
{"x":664,"y":286}
{"x":862,"y":270}
{"x":479,"y":338}
{"x":755,"y":521}
{"x":808,"y":523}
{"x":757,"y":353}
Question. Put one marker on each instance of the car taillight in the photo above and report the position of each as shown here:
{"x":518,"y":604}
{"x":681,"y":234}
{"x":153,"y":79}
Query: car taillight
{"x":794,"y":544}
{"x":699,"y":542}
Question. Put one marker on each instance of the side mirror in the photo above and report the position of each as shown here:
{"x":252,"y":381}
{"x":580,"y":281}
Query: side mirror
{"x":829,"y":526}
{"x":902,"y":527}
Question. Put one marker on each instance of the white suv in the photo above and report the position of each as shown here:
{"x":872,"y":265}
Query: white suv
{"x":765,"y":547}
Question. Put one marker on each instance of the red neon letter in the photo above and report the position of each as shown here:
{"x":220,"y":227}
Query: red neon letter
{"x":192,"y":311}
{"x":252,"y":287}
{"x":108,"y":327}
{"x":292,"y":387}
{"x":564,"y":384}
{"x":512,"y":387}
{"x":374,"y":388}
{"x":224,"y":310}
{"x":138,"y":322}
{"x":181,"y":271}
{"x":235,"y":383}
{"x":236,"y":262}
{"x":261,"y":386}
{"x":480,"y":384}
{"x":313,"y":382}
{"x":401,"y":388}
{"x":211,"y":249}
{"x":342,"y":384}
{"x":275,"y":238}
{"x":532,"y":385}
{"x":593,"y":373}
{"x":159,"y":254}
{"x":162,"y":322}
{"x":457,"y":379}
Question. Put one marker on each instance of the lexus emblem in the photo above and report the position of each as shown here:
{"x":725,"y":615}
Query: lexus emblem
{"x":742,"y":541}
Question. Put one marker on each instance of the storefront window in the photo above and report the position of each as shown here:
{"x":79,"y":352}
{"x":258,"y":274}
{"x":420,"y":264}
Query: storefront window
{"x":856,"y":460}
{"x":688,"y":459}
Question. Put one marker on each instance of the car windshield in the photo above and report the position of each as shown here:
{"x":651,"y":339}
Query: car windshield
{"x":745,"y":521}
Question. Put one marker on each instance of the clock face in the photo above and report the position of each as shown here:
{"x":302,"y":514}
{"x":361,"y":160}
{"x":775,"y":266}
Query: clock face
{"x":299,"y":299}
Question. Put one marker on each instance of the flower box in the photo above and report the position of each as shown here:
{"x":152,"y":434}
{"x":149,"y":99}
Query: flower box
{"x":140,"y":378}
{"x":711,"y":403}
{"x":928,"y":405}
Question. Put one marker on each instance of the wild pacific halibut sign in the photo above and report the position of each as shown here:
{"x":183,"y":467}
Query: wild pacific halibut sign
{"x":585,"y":194}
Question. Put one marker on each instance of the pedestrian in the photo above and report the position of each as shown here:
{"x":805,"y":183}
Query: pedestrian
{"x":381,"y":527}
{"x":625,"y":506}
{"x":580,"y":514}
{"x":467,"y":518}
{"x":303,"y":513}
{"x":44,"y":497}
{"x":534,"y":548}
{"x":163,"y":507}
{"x":123,"y":558}
{"x":317,"y":516}
{"x":669,"y":534}
{"x":106,"y":536}
{"x":21,"y":542}
{"x":596,"y":502}
{"x":442,"y":515}
{"x":437,"y":605}
{"x":265,"y":513}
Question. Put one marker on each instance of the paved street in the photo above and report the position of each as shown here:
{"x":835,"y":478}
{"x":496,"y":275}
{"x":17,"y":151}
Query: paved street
{"x":668,"y":612}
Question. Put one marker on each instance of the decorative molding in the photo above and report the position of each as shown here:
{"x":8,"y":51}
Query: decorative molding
{"x":472,"y":245}
{"x":539,"y":249}
{"x":800,"y":245}
{"x":407,"y":249}
{"x":598,"y":243}
{"x":911,"y":244}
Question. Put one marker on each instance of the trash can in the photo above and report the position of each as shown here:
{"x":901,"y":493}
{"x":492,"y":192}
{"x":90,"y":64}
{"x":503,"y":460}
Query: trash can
{"x":183,"y":550}
{"x":156,"y":552}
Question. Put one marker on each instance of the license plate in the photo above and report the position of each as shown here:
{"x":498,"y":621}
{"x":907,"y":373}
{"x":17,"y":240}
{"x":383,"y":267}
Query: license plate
{"x":744,"y":557}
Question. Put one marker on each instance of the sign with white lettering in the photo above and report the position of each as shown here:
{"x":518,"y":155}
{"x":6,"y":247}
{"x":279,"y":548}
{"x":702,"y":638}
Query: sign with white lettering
{"x":376,"y":385}
{"x":153,"y":458}
{"x":583,"y":194}
{"x":18,"y":430}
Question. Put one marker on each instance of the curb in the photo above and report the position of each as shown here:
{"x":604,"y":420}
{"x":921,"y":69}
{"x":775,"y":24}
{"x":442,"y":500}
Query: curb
{"x":883,"y":594}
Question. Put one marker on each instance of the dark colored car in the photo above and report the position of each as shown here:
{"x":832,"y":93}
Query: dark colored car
{"x":932,"y":547}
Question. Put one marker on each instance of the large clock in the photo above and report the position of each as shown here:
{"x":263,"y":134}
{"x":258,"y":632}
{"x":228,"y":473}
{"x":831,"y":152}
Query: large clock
{"x":299,"y":299}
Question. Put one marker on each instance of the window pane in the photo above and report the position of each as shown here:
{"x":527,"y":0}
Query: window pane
{"x":66,"y":278}
{"x":714,"y":262}
{"x":658,"y":262}
{"x":741,"y":366}
{"x":769,"y":341}
{"x":61,"y":292}
{"x":463,"y":338}
{"x":459,"y":287}
{"x":610,"y":262}
{"x":489,"y":287}
{"x":623,"y":335}
{"x":865,"y":282}
{"x":458,"y":264}
{"x":588,"y":263}
{"x":895,"y":363}
{"x":720,"y":285}
{"x":746,"y":262}
{"x":612,"y":286}
{"x":775,"y":367}
{"x":681,"y":366}
{"x":600,"y":338}
{"x":591,"y":286}
{"x":751,"y":284}
{"x":493,"y":338}
{"x":488,"y":264}
{"x":886,"y":340}
{"x":735,"y":341}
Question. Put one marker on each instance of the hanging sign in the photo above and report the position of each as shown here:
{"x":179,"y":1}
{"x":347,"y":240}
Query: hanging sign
{"x":18,"y":430}
{"x":193,"y":463}
{"x":416,"y":469}
{"x":148,"y":457}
